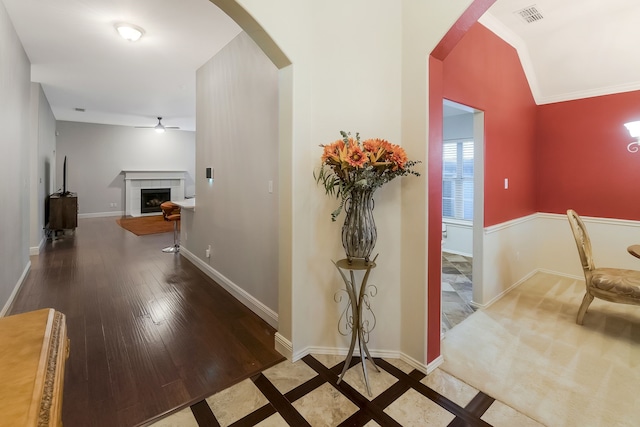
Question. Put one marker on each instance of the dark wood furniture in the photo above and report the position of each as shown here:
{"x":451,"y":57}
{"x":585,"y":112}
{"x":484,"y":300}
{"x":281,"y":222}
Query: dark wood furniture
{"x":32,"y":361}
{"x":63,"y":211}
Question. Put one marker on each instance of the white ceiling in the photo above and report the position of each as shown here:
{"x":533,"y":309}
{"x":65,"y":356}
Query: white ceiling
{"x":580,"y":48}
{"x":82,"y":62}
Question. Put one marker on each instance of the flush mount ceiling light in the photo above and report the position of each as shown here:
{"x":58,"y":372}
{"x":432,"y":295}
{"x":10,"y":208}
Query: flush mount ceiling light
{"x":634,"y":131}
{"x":129,"y":32}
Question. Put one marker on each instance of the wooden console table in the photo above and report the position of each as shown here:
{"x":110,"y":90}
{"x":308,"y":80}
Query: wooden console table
{"x":63,"y":211}
{"x":32,"y":358}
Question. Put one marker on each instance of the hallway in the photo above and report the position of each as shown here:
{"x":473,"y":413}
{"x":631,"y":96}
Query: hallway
{"x":149,"y":332}
{"x":156,"y":342}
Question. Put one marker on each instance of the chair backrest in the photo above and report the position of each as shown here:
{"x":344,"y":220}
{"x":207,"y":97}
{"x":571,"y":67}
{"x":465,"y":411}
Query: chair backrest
{"x":168,"y":209}
{"x":582,"y":239}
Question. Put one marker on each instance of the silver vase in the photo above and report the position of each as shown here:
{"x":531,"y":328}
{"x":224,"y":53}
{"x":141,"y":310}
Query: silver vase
{"x":359,"y":232}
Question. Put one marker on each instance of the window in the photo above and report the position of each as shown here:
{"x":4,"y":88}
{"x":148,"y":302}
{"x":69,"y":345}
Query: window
{"x":457,"y":180}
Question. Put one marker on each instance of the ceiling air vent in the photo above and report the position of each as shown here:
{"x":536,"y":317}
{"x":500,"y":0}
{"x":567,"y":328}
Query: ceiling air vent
{"x":81,"y":110}
{"x":530,"y":14}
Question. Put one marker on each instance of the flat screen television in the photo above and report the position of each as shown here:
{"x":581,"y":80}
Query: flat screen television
{"x":64,"y":178}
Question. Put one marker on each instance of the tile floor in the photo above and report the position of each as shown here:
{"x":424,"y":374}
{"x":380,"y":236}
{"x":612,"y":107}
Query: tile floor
{"x":306,"y":393}
{"x":456,"y":289}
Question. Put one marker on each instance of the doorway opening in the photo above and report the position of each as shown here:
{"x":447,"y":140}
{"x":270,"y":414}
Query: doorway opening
{"x":462,"y":211}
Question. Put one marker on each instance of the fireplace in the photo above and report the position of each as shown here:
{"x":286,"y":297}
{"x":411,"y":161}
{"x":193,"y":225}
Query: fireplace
{"x":136,"y":180}
{"x":152,"y":198}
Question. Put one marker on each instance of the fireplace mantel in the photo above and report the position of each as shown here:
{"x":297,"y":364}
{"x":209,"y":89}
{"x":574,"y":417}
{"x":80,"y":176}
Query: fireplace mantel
{"x":136,"y":180}
{"x":153,"y":174}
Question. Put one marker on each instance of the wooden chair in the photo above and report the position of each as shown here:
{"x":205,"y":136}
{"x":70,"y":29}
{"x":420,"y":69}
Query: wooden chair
{"x":171,"y":212}
{"x":610,"y":284}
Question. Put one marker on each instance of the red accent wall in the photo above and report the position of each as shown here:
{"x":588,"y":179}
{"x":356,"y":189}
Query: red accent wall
{"x":434,"y":247}
{"x":583,"y":162}
{"x":484,"y":72}
{"x":460,"y":28}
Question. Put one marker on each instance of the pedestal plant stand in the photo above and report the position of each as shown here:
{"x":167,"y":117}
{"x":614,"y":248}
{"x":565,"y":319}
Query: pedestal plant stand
{"x":352,"y":320}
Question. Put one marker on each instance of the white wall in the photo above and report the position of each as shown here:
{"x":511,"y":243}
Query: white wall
{"x":556,"y":248}
{"x":97,"y":154}
{"x":515,"y":250}
{"x":237,"y":135}
{"x":457,"y":237}
{"x":374,"y":82}
{"x":15,"y":95}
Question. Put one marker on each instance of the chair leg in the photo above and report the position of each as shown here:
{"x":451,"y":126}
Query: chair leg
{"x":586,"y":301}
{"x":176,"y":246}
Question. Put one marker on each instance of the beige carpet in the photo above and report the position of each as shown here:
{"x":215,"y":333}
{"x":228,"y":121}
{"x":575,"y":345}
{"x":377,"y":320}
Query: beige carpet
{"x":527,"y":351}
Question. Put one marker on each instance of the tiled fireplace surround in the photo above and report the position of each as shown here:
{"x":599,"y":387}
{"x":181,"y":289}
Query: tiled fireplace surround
{"x":136,"y":180}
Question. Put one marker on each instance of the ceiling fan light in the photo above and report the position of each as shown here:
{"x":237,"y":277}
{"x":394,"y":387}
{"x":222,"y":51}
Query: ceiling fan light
{"x":159,"y":129}
{"x":129,"y":32}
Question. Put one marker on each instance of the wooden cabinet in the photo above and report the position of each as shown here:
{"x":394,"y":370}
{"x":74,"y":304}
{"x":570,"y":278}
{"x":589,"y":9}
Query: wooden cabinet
{"x":33,"y":353}
{"x":63,"y":211}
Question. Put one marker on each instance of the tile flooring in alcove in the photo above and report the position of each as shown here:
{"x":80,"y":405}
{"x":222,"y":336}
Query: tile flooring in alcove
{"x":456,"y":289}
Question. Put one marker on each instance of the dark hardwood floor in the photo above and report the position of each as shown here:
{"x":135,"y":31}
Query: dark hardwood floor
{"x":149,"y":332}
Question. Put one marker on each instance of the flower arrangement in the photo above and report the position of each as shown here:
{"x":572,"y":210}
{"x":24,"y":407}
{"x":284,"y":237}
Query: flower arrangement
{"x":350,"y":163}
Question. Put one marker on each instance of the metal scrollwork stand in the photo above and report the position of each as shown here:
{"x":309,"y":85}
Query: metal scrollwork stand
{"x":354,"y":322}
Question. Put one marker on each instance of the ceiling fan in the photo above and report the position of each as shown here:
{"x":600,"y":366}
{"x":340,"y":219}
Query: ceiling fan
{"x":160,"y":128}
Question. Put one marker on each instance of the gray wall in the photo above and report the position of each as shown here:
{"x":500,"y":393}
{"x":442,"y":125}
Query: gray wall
{"x":97,"y":154}
{"x":237,"y":135}
{"x":42,"y":159}
{"x":15,"y":94}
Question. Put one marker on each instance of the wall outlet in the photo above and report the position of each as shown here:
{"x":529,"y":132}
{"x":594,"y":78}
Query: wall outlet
{"x":207,"y":252}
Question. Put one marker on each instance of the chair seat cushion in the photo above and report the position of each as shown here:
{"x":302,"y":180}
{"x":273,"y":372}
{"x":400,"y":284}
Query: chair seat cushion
{"x":618,"y":281}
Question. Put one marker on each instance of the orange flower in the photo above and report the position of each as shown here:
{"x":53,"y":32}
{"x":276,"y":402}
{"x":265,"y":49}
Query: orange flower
{"x":375,"y":148}
{"x":398,"y":156}
{"x":332,"y":151}
{"x":355,"y":157}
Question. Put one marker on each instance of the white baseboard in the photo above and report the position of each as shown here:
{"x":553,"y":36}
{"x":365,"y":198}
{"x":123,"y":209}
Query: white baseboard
{"x":384,"y":354}
{"x":9,"y":302}
{"x":557,"y":273}
{"x":100,"y":214}
{"x":506,"y":291}
{"x":267,"y":314}
{"x":434,"y":365}
{"x":283,"y":346}
{"x":342,"y":351}
{"x":414,"y":363}
{"x":452,"y":251}
{"x":519,"y":282}
{"x":35,"y":250}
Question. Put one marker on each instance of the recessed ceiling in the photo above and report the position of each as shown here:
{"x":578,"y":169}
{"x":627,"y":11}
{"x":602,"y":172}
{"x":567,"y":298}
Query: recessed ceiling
{"x":577,"y":49}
